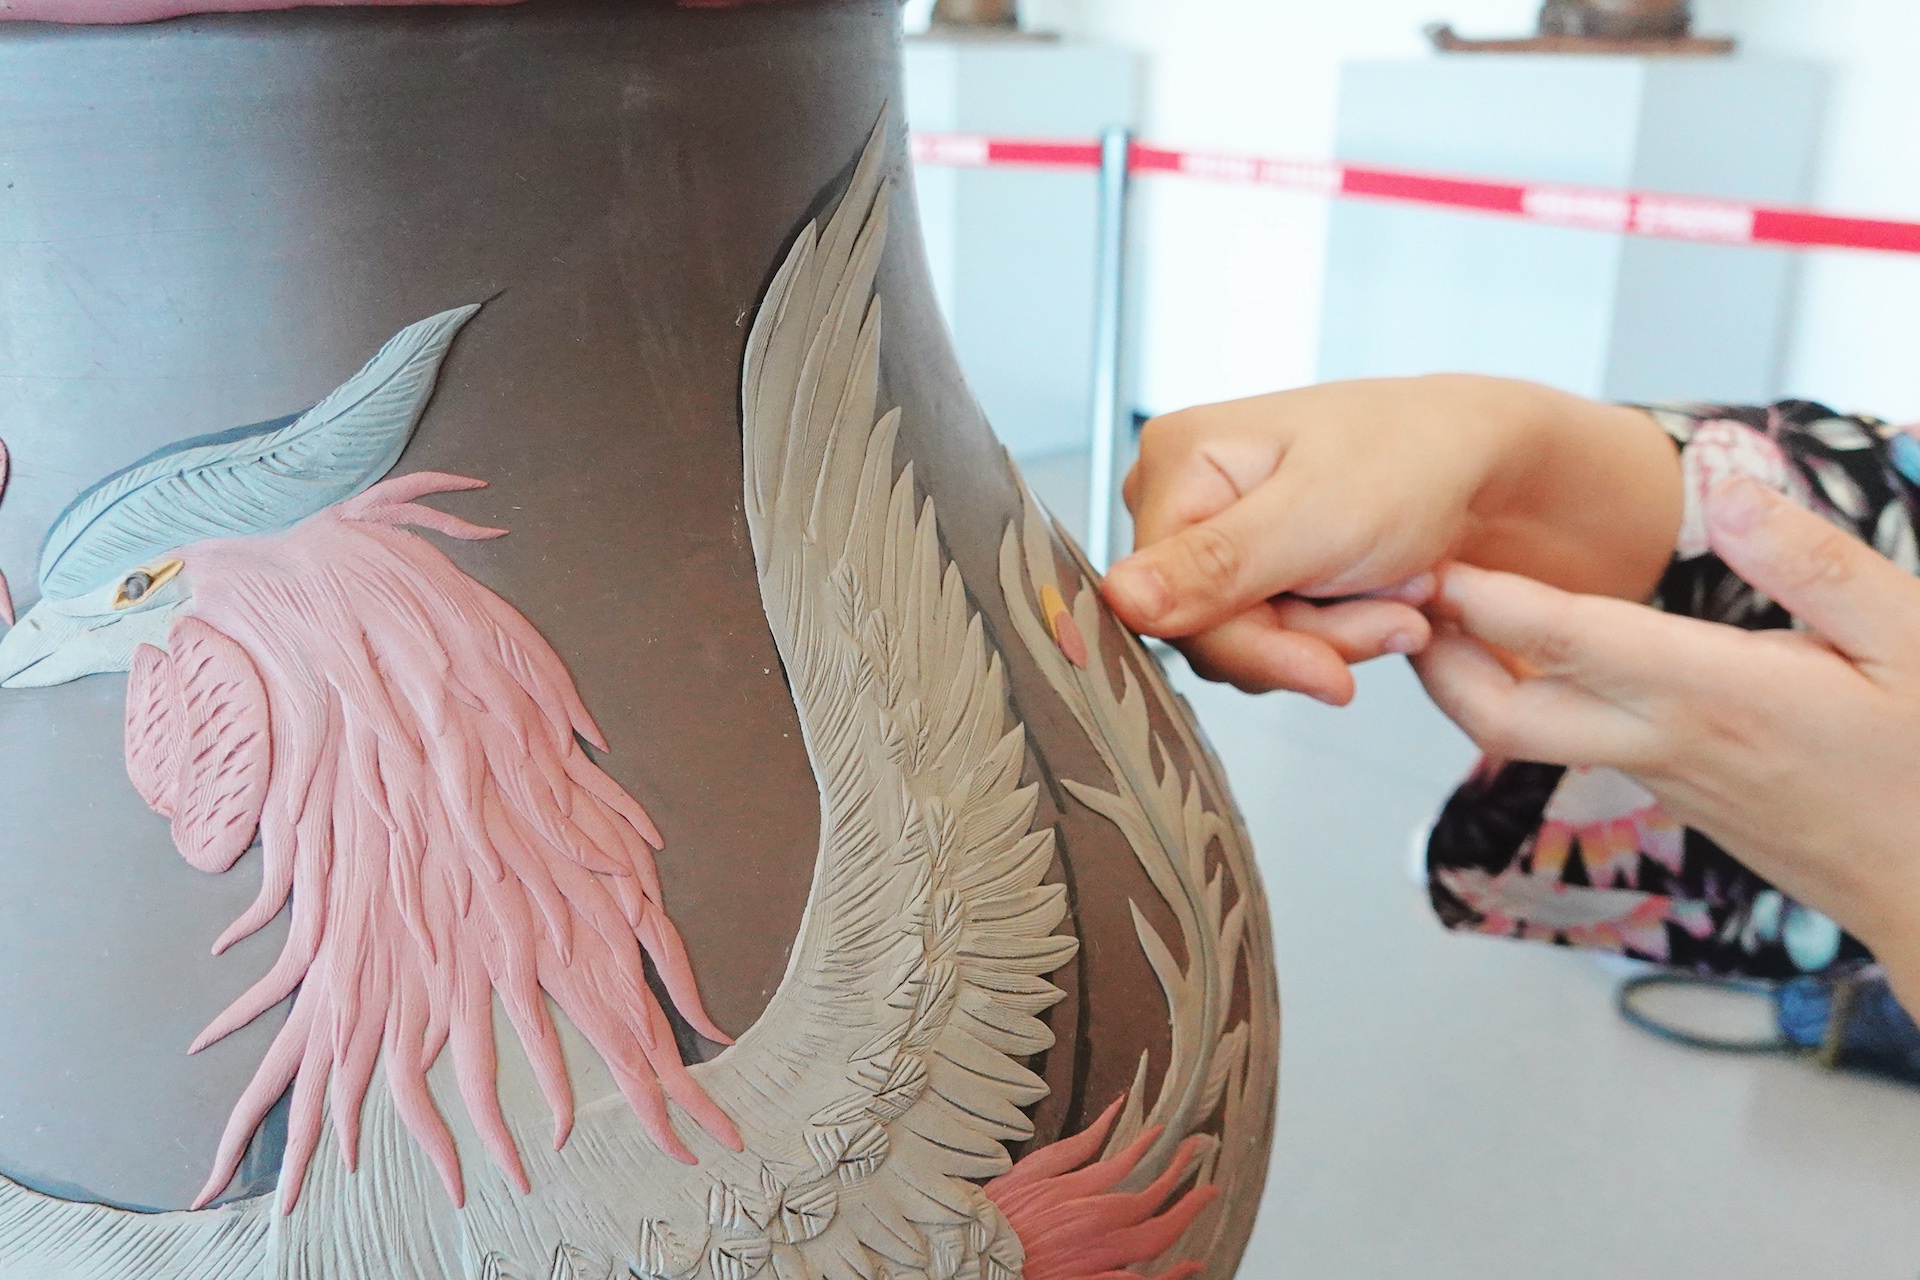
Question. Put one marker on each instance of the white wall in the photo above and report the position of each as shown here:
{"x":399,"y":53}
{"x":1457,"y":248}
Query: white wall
{"x":1231,"y":284}
{"x":1856,"y":340}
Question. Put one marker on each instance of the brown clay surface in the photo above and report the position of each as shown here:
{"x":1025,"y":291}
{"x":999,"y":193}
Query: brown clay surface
{"x":212,"y":222}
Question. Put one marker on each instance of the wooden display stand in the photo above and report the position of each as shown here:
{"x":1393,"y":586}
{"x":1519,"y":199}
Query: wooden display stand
{"x":1447,"y":40}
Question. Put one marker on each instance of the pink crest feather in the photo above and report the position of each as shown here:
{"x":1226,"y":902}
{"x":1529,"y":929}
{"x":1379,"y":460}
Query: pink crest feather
{"x":153,"y":728}
{"x":197,"y":744}
{"x":430,"y":812}
{"x":1073,"y":1225}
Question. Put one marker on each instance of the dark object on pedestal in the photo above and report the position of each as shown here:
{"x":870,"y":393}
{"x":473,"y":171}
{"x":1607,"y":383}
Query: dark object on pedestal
{"x":976,"y":15}
{"x":1618,"y":19}
{"x":1635,"y":27}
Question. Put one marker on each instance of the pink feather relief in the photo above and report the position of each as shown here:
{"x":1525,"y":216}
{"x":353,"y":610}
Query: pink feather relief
{"x":408,"y":748}
{"x":1073,"y":1225}
{"x":197,"y":744}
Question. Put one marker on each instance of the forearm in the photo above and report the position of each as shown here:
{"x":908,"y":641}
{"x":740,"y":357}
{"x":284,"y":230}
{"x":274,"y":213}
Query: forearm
{"x":1583,"y":496}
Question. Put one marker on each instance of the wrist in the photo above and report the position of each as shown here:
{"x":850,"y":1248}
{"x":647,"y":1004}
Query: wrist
{"x":1530,"y":421}
{"x":1584,"y":496}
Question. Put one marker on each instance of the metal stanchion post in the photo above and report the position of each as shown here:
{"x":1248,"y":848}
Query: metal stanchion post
{"x":1116,"y":163}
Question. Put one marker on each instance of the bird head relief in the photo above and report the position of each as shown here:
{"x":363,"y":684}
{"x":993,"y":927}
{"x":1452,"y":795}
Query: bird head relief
{"x":310,"y":675}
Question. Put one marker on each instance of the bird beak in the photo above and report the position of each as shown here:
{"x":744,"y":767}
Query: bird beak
{"x":61,"y":640}
{"x":29,"y":652}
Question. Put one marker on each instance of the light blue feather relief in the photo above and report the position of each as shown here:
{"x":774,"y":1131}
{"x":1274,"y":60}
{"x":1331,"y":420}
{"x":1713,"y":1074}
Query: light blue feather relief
{"x":256,"y":480}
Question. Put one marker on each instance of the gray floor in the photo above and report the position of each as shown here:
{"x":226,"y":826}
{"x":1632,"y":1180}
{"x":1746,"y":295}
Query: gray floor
{"x":1465,"y":1107}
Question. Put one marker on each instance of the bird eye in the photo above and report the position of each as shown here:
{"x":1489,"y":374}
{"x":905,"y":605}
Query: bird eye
{"x":140,"y":585}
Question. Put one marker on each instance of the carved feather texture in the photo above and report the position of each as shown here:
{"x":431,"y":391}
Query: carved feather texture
{"x":197,"y":742}
{"x":153,"y":728}
{"x":886,"y":1077}
{"x":1075,"y":1222}
{"x":44,"y":1238}
{"x":441,"y":835}
{"x":1221,"y":1075}
{"x":256,"y":480}
{"x":923,"y":961}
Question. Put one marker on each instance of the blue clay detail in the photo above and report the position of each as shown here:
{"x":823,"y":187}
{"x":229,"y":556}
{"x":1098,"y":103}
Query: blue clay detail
{"x":253,"y":480}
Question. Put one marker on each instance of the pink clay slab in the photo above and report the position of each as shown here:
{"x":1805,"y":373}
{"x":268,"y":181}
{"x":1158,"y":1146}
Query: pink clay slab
{"x":1074,"y":1225}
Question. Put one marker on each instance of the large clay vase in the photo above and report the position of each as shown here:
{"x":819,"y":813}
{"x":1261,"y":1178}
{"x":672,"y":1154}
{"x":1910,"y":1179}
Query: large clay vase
{"x":533,"y":667}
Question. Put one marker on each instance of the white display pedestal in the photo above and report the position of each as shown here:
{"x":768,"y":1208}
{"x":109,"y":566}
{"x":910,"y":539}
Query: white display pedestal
{"x":1413,"y":290}
{"x":1013,"y":252}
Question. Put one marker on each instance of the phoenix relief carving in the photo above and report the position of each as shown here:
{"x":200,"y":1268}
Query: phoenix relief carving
{"x":308,"y":672}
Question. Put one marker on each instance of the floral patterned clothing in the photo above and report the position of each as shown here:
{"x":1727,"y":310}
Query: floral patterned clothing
{"x":1586,"y":857}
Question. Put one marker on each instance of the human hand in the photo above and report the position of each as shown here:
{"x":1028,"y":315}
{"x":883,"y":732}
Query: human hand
{"x":1284,"y":538}
{"x":1793,"y":751}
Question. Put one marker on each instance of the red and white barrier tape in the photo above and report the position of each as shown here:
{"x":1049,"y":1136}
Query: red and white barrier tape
{"x":1668,"y":217}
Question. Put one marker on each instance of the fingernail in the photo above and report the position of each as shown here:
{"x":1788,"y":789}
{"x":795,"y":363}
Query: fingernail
{"x":1457,"y":576}
{"x":1737,"y":505}
{"x":1402,"y":643}
{"x":1417,"y":591}
{"x":1138,"y":591}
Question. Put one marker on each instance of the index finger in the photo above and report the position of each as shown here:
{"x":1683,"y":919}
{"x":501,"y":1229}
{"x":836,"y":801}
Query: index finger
{"x":1262,"y":546}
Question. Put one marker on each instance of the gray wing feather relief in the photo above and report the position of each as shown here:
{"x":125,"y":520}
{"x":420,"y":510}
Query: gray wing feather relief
{"x":42,"y":1238}
{"x":886,"y":1075}
{"x":256,"y":480}
{"x":922,"y":963}
{"x":1223,"y":999}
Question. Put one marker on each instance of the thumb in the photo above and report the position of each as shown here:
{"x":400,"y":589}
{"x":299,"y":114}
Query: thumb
{"x":1856,"y":599}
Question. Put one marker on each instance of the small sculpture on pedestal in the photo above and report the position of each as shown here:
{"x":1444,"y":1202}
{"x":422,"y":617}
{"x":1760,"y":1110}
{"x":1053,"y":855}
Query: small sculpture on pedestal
{"x":1618,"y":19}
{"x":976,"y":16}
{"x":1598,"y":26}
